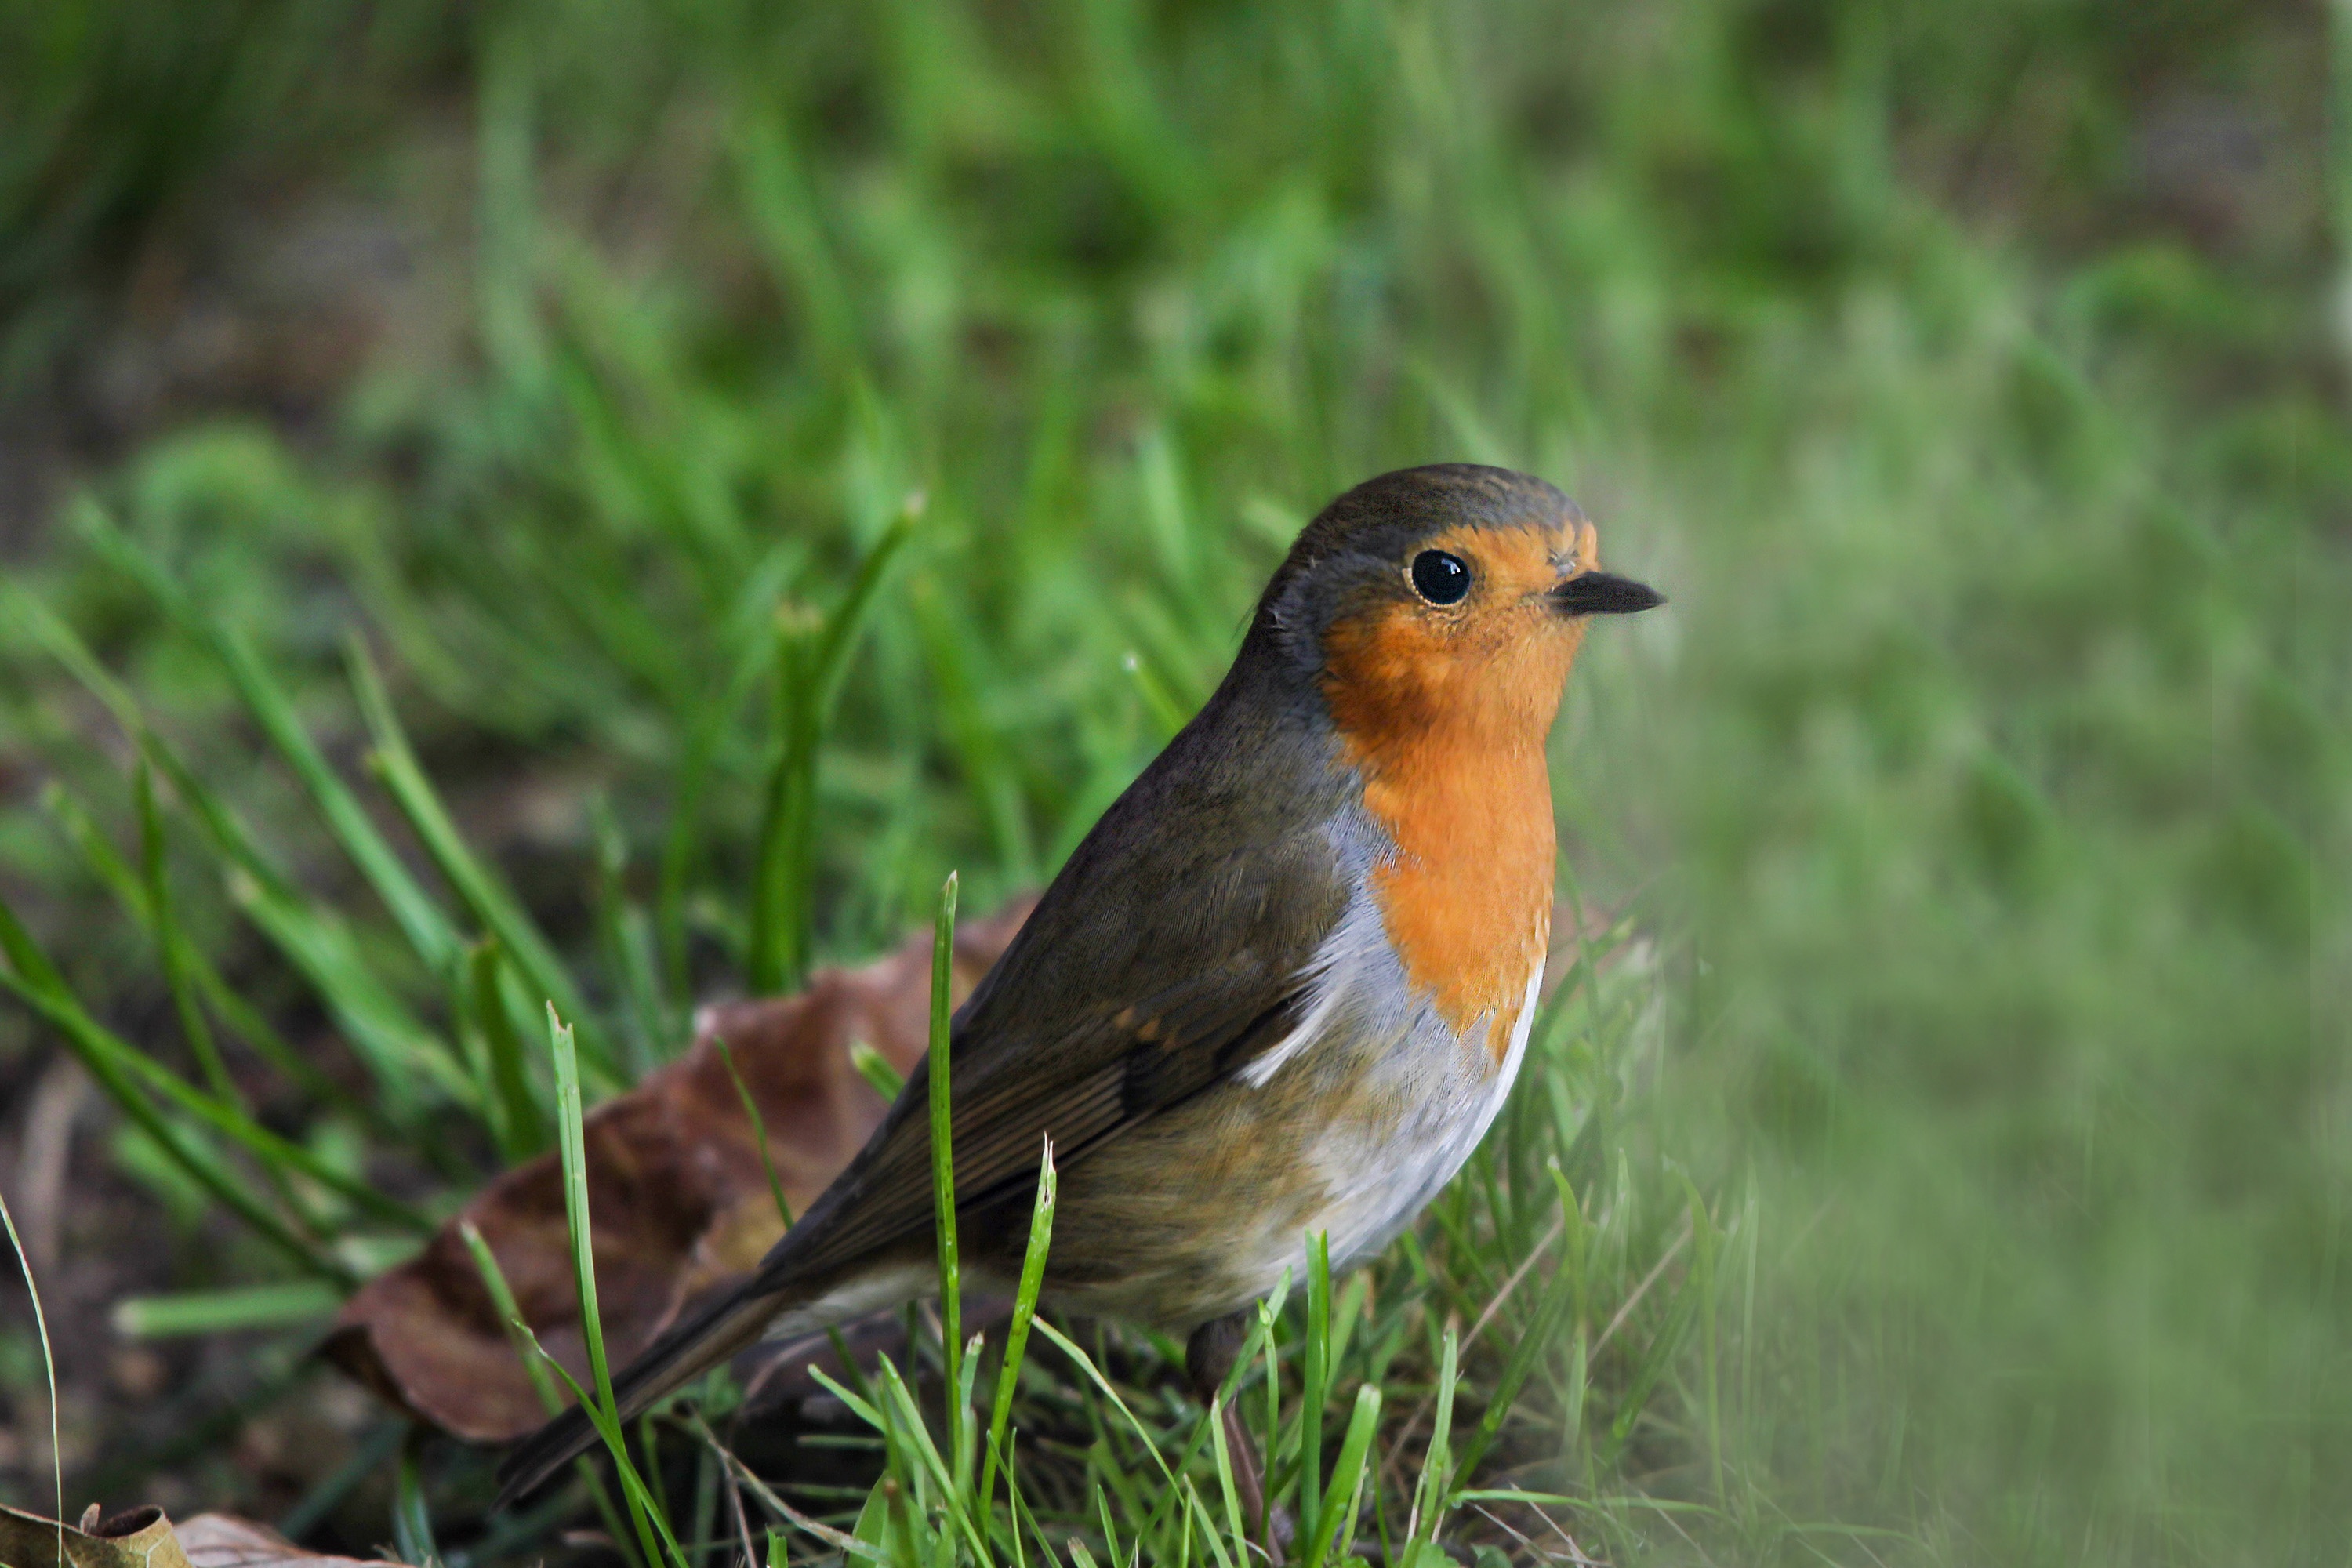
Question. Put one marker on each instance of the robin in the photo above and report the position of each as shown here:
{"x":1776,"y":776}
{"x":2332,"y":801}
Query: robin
{"x":1280,"y":990}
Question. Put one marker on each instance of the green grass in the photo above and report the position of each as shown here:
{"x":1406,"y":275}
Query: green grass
{"x":1951,"y":1128}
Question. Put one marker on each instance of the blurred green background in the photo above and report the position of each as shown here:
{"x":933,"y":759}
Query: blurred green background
{"x":1972,"y":378}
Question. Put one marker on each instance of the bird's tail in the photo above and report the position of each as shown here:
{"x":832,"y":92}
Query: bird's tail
{"x":690,"y":1348}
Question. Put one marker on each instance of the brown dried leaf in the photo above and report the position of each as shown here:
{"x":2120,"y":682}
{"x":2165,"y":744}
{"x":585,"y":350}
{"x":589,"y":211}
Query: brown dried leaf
{"x":143,"y":1538}
{"x":677,"y":1198}
{"x":225,"y":1541}
{"x":132,"y":1539}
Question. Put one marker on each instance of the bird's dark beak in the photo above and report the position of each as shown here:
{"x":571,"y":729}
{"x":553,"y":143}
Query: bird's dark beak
{"x":1603,"y":594}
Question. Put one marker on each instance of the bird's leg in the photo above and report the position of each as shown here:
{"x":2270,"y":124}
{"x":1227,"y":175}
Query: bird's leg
{"x":1208,"y":1358}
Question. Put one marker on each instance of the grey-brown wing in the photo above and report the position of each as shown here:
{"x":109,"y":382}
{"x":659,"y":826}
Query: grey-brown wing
{"x":1081,"y":1098}
{"x":1092,"y":1021}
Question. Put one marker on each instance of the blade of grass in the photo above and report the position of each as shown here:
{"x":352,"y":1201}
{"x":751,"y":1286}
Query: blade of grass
{"x":1533,"y":1341}
{"x":509,"y":1315}
{"x":961,"y":1405}
{"x":571,"y":1142}
{"x":858,"y":1405}
{"x":990,"y":772}
{"x":484,"y":895}
{"x":712,"y":724}
{"x":1086,"y":1363}
{"x":812,"y":662}
{"x":412,"y":1516}
{"x":1022,"y":1512}
{"x":1345,"y":1313}
{"x":1197,"y":1510}
{"x":1429,"y":1491}
{"x":908,"y":1484}
{"x":876,"y":1069}
{"x":843,"y":627}
{"x":1315,"y":1381}
{"x":783,"y":875}
{"x":1224,"y":1462}
{"x":64,"y":644}
{"x":1259,"y":1336}
{"x":1168,"y":715}
{"x":645,"y":1516}
{"x":875,"y":1527}
{"x":1270,"y":1445}
{"x":1703,"y":1282}
{"x":1575,"y":1229}
{"x":758,"y":1131}
{"x":1750,"y":1226}
{"x":36,"y":981}
{"x":850,"y":1369}
{"x":241,"y":1016}
{"x":918,"y":1437}
{"x":1024,"y":1311}
{"x":940,"y":1069}
{"x":230,"y":1119}
{"x":603,"y":1409}
{"x":223,"y":1311}
{"x":1109,"y":1525}
{"x":171,"y":943}
{"x":49,"y":1367}
{"x":1013,"y":1508}
{"x":1346,"y":1493}
{"x":774,"y":1504}
{"x":520,"y":1124}
{"x":1112,"y":1477}
{"x":367,"y":1456}
{"x":396,"y":1048}
{"x":785,"y":218}
{"x":420,"y":919}
{"x":1578,"y":1383}
{"x":626,"y":934}
{"x":709,"y":1546}
{"x":415,"y":911}
{"x":1656,"y":1360}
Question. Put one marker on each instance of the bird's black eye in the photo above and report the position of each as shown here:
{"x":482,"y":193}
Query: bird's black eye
{"x":1440,"y":578}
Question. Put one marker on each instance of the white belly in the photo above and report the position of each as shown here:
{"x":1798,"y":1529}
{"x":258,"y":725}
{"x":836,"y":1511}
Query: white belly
{"x":1453,"y":1091}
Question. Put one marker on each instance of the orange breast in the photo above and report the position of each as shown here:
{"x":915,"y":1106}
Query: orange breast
{"x":1446,"y":719}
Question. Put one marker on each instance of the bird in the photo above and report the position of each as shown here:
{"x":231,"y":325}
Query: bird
{"x":1280,"y":989}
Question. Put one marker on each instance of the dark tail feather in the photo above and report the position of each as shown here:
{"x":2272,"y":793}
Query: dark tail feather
{"x":675,"y":1359}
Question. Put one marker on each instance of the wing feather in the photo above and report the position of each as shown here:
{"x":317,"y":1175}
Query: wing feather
{"x":1000,"y":1123}
{"x":1176,"y":944}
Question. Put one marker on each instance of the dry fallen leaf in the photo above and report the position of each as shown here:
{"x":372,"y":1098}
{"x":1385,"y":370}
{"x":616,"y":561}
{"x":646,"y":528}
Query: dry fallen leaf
{"x":144,"y":1538}
{"x":225,"y":1541}
{"x":678,"y":1200}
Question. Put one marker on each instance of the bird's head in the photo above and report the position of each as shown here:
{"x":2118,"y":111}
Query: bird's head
{"x":1444,"y":600}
